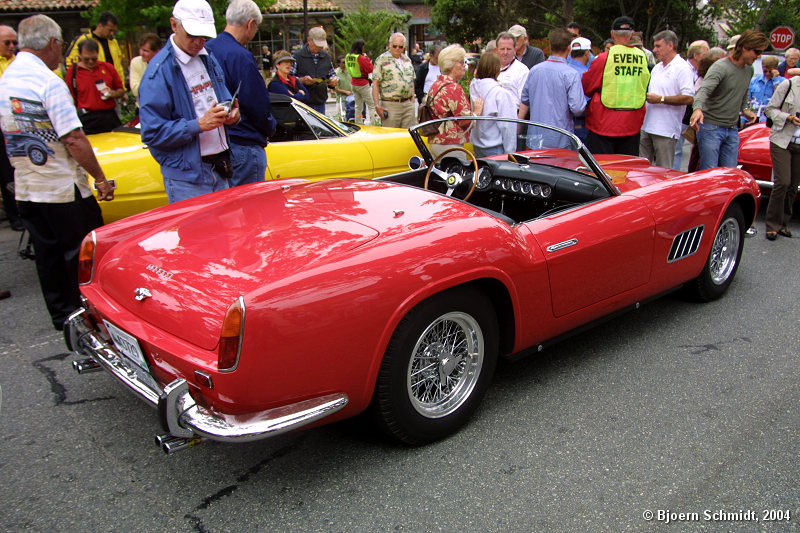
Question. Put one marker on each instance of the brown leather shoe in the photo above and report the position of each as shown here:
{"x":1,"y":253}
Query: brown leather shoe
{"x":5,"y":294}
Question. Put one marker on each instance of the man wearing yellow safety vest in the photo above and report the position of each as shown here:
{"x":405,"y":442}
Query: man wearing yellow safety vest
{"x":616,"y":82}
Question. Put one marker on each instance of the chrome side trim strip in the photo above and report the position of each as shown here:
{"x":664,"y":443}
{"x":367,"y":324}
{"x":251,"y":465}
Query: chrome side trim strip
{"x":562,"y":245}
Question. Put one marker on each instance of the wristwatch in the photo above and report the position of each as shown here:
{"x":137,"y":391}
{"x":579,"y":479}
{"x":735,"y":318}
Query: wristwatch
{"x":662,"y":99}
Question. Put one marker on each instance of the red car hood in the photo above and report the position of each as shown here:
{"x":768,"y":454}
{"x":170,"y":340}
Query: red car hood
{"x":214,"y":250}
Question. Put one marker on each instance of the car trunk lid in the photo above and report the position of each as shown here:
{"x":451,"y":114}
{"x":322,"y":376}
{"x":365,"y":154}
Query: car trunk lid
{"x":195,"y":265}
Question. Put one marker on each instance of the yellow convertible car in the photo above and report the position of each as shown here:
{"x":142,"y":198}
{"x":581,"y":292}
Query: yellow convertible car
{"x":304,"y":145}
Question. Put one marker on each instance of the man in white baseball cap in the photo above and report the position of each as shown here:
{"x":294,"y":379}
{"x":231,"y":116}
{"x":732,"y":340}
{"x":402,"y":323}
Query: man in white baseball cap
{"x":196,"y":17}
{"x":182,"y":120}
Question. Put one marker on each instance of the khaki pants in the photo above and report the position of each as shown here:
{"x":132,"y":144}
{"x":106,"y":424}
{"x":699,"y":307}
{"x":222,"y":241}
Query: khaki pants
{"x":401,"y":114}
{"x":363,"y":95}
{"x":659,"y":150}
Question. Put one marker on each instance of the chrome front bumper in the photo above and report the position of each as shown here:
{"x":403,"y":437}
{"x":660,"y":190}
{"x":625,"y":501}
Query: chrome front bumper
{"x":180,"y":414}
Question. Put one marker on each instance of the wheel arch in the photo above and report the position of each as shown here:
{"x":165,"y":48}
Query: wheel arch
{"x":495,"y":289}
{"x":748,"y":205}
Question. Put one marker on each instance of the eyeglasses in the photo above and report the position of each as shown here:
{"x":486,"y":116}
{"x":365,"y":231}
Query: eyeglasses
{"x":9,"y":42}
{"x":756,"y":51}
{"x":88,"y":59}
{"x":400,"y":46}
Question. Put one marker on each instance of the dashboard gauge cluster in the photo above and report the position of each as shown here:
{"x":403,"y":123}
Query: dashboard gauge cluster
{"x":526,"y":188}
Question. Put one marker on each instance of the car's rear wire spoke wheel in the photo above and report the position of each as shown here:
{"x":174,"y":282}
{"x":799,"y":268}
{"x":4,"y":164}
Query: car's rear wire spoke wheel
{"x":724,"y":251}
{"x":445,"y":365}
{"x":437,"y":366}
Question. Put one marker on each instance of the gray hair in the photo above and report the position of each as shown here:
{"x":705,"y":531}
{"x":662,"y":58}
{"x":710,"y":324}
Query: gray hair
{"x":241,"y":11}
{"x":717,"y":52}
{"x":397,"y":34}
{"x":8,"y":28}
{"x":451,"y":55}
{"x":504,"y":35}
{"x":36,"y":32}
{"x":668,"y":36}
{"x":622,"y":33}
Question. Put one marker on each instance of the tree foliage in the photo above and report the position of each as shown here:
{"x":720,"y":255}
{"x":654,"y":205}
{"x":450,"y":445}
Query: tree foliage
{"x":135,"y":14}
{"x":374,"y":27}
{"x":468,"y":20}
{"x":764,"y":15}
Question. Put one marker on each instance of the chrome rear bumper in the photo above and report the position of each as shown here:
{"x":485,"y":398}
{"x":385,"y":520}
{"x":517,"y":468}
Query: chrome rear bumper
{"x":180,"y":414}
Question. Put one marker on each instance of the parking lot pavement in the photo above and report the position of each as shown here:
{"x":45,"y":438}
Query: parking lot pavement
{"x":659,"y":415}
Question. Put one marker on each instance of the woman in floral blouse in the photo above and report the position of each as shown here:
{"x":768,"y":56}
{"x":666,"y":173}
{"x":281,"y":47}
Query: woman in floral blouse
{"x":449,"y":100}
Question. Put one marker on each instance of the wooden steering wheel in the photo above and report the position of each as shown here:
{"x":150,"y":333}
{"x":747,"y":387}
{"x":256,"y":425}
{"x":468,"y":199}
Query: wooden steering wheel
{"x":453,"y":179}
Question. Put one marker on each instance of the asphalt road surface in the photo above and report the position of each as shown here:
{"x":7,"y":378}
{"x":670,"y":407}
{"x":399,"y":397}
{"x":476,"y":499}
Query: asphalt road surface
{"x":677,"y":417}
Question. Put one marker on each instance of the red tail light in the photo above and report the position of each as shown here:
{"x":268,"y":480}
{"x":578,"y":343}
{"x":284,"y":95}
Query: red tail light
{"x":86,"y":259}
{"x":230,"y":342}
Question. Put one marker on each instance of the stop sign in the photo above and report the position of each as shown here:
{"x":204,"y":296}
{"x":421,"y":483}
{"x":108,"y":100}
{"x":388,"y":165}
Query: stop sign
{"x":781,"y":37}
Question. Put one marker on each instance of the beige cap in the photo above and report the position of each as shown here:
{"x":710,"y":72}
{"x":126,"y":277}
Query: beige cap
{"x":318,"y":36}
{"x":518,"y":31}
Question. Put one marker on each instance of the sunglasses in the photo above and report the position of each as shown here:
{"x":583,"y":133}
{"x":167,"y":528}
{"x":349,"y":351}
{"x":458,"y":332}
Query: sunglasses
{"x":757,"y":51}
{"x":401,"y":46}
{"x":9,"y":42}
{"x":88,"y":59}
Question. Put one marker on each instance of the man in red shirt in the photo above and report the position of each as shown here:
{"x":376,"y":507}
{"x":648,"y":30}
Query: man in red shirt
{"x":617,"y":83}
{"x":94,"y":86}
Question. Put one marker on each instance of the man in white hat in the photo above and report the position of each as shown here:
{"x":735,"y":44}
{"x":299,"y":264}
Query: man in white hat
{"x":182,"y":118}
{"x":314,"y":68}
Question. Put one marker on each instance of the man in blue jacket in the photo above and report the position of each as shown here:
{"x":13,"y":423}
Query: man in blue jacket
{"x":249,"y":137}
{"x":182,"y":120}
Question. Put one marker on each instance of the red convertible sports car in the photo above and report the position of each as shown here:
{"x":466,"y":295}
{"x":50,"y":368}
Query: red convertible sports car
{"x":259,"y":310}
{"x":754,"y":155}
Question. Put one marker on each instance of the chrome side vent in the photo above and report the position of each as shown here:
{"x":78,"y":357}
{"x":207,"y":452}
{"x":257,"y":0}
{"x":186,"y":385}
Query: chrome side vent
{"x":685,"y":244}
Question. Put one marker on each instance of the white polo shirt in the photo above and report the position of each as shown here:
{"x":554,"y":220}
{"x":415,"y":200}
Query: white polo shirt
{"x":513,"y":78}
{"x":668,"y":80}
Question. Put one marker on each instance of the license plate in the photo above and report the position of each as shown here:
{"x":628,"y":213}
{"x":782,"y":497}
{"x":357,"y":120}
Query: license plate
{"x":127,"y":344}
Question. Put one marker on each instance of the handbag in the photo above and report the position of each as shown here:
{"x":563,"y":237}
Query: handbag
{"x":769,"y":120}
{"x":426,"y":113}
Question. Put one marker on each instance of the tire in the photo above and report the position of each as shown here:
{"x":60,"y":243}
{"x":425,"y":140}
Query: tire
{"x":723,"y":259}
{"x":37,"y":155}
{"x":423,"y":354}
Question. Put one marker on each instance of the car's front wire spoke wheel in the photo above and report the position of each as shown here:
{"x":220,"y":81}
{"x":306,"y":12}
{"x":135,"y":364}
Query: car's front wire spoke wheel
{"x":445,"y":364}
{"x":724,"y":250}
{"x":723,"y":258}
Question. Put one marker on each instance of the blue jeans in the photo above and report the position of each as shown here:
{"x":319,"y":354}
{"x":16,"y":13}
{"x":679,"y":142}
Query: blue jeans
{"x":208,"y":181}
{"x":249,"y":164}
{"x":318,"y":107}
{"x":718,"y":146}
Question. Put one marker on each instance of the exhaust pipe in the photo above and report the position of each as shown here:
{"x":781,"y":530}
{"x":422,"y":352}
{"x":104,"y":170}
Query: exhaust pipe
{"x":170,"y":444}
{"x":84,"y":366}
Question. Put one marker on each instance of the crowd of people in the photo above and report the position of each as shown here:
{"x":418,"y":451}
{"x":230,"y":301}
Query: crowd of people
{"x":205,"y":114}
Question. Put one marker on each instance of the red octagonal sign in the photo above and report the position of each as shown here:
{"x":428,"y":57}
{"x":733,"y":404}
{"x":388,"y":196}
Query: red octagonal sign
{"x":781,"y":37}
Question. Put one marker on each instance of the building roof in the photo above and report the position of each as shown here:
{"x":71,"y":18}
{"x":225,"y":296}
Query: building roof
{"x":296,"y":6}
{"x":351,"y":6}
{"x":45,"y":5}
